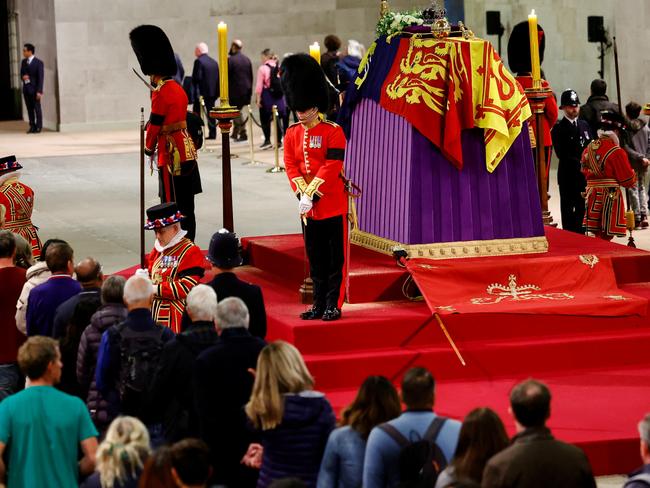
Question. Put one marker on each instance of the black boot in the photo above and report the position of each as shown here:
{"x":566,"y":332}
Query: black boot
{"x":315,"y":312}
{"x":331,"y":313}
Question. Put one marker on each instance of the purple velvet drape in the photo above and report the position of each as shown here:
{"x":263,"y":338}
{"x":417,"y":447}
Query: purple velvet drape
{"x":413,"y":195}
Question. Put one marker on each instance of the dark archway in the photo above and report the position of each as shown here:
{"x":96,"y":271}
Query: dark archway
{"x":10,"y":103}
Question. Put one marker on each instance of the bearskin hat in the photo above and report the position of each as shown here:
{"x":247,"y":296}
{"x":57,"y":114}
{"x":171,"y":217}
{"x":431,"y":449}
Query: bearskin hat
{"x":519,"y":48}
{"x":153,"y":50}
{"x":612,"y":120}
{"x":303,"y":83}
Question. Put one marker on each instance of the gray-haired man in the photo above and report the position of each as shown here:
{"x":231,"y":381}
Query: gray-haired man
{"x":172,"y":386}
{"x":226,"y":367}
{"x":641,"y":477}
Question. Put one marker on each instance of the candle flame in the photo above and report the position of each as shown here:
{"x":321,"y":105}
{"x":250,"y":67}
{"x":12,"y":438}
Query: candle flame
{"x":532,"y":12}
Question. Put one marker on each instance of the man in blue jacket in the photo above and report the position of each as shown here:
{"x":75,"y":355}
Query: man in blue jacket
{"x":32,"y":75}
{"x":381,"y":463}
{"x":205,"y":78}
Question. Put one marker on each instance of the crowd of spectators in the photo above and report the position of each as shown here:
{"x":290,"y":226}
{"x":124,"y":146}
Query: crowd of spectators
{"x":110,"y":398}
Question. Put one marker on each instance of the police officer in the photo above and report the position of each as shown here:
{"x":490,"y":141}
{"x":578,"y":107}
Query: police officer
{"x":571,"y":136}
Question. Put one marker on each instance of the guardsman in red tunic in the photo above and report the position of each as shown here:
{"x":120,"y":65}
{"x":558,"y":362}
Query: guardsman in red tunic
{"x":519,"y":62}
{"x":175,"y":265}
{"x":18,"y":202}
{"x":167,"y":127}
{"x":314,"y":150}
{"x":607,"y":169}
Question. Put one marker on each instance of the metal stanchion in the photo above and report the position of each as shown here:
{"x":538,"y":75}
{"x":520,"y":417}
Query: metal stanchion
{"x":251,"y":139}
{"x":275,"y":135}
{"x":204,"y":117}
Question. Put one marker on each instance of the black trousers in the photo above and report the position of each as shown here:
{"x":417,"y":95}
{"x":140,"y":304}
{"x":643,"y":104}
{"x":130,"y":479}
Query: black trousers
{"x":325,"y":241}
{"x":266,"y":118}
{"x":34,"y":111}
{"x":572,"y":209}
{"x":183,"y":189}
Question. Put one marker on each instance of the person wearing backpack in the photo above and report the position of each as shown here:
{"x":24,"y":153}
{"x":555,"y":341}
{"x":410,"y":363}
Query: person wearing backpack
{"x":129,"y":354}
{"x":411,"y":450}
{"x":640,"y":478}
{"x":268,"y":92}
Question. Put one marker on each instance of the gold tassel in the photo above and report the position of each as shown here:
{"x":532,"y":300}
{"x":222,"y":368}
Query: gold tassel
{"x":630,"y":220}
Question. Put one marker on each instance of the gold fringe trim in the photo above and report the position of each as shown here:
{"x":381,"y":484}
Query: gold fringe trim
{"x":448,"y":250}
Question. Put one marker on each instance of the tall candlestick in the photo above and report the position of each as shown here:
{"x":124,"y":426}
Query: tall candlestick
{"x":534,"y":49}
{"x":222,"y":30}
{"x":314,"y":51}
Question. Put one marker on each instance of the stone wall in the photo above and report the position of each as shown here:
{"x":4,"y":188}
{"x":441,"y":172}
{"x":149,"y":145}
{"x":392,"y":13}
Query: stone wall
{"x":89,"y":42}
{"x":36,"y":25}
{"x":95,"y":58}
{"x":571,"y":61}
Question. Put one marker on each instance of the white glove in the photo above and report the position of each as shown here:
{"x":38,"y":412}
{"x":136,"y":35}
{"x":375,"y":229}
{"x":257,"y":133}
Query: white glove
{"x":305,"y":204}
{"x":142,"y":273}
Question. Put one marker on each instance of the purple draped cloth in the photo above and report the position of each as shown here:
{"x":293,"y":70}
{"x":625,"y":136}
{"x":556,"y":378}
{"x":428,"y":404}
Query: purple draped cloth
{"x":412,"y":194}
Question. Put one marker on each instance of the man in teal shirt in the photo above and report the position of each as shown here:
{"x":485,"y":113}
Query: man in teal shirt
{"x":41,"y":428}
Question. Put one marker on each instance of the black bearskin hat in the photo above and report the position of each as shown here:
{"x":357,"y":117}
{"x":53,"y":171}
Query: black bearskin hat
{"x":303,"y":83}
{"x":519,"y":48}
{"x":153,"y":50}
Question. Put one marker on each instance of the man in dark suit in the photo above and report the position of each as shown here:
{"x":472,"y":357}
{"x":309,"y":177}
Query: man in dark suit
{"x":32,"y":74}
{"x":226,"y":367}
{"x":571,"y":136}
{"x":535,"y":459}
{"x":240,"y":78}
{"x":224,"y":256}
{"x":205,"y":77}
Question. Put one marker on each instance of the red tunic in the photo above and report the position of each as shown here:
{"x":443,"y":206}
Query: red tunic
{"x":167,"y":128}
{"x":313,"y":159}
{"x":550,"y":109}
{"x":606,"y":167}
{"x":18,"y":200}
{"x":175,"y":272}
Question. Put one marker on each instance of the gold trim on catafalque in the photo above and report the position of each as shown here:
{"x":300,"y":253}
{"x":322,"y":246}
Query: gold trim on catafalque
{"x":449,"y":250}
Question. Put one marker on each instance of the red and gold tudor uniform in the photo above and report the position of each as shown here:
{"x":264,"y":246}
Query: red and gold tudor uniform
{"x":313,"y":159}
{"x":174,"y":270}
{"x":18,"y":201}
{"x":607,"y":169}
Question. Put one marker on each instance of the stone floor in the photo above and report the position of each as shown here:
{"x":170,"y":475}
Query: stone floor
{"x":87,"y":193}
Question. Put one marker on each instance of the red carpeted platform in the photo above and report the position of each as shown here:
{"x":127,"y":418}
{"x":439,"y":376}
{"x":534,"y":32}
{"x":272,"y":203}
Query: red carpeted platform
{"x":597,"y":367}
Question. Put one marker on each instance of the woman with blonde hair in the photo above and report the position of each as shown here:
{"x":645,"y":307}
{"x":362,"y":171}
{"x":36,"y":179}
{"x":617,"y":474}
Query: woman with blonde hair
{"x":294,"y":420}
{"x":121,"y":455}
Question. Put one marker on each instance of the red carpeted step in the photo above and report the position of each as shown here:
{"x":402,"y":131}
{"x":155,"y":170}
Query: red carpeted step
{"x":393,"y":324}
{"x":597,"y":410}
{"x":372,"y":276}
{"x":485,"y":360}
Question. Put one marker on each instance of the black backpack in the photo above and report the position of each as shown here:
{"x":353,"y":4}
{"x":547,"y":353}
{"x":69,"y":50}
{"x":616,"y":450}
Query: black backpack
{"x":139,"y":357}
{"x":275,"y":88}
{"x":422,"y":460}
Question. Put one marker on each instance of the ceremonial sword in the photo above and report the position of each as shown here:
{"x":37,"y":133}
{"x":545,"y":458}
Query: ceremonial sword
{"x":146,"y":83}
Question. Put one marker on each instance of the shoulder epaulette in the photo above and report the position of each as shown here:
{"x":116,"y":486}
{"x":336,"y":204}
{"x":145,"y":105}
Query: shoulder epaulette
{"x":333,"y":124}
